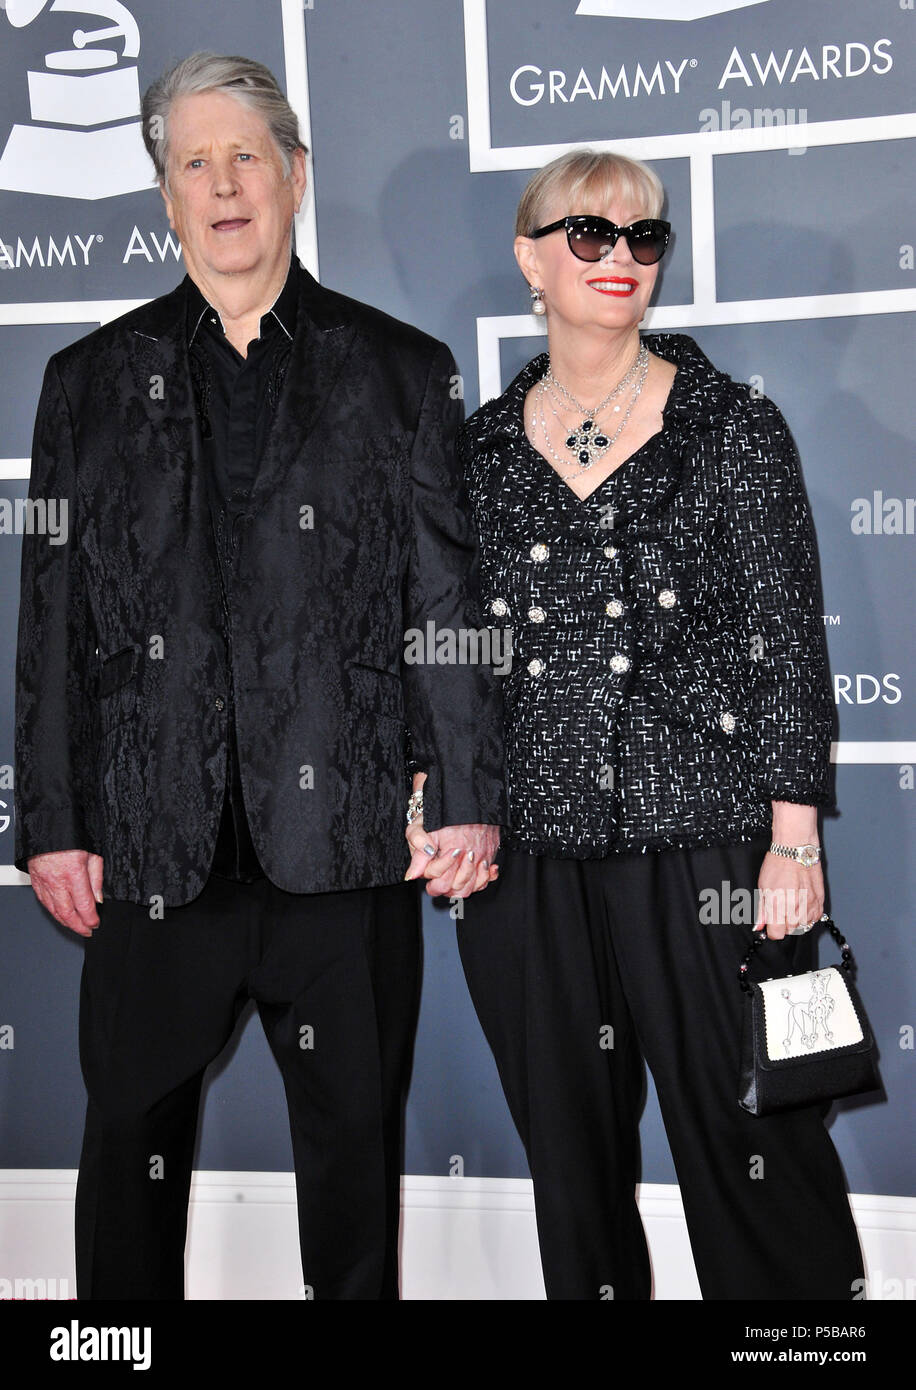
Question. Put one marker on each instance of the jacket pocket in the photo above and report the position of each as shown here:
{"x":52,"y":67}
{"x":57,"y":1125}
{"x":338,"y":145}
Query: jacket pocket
{"x":376,"y":691}
{"x":118,"y":687}
{"x":689,"y":697}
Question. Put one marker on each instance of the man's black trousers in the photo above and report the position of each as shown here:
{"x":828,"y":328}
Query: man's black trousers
{"x":335,"y":977}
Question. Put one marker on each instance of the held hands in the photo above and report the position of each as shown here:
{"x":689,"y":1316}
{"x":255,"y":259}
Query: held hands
{"x":69,"y":884}
{"x":461,"y":861}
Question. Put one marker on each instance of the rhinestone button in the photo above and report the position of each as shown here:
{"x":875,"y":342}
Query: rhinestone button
{"x":667,"y":598}
{"x":535,"y":667}
{"x":727,"y":720}
{"x":613,"y":608}
{"x":500,"y":607}
{"x":539,"y":551}
{"x":610,"y":551}
{"x":620,"y":663}
{"x":219,"y":703}
{"x":537,"y":615}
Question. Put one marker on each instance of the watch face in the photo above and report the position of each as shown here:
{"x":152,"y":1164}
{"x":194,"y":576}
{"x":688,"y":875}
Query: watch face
{"x":808,"y":857}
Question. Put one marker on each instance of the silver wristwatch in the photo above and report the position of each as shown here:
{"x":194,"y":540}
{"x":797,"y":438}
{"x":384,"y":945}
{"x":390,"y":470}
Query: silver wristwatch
{"x":414,"y":807}
{"x":802,"y":854}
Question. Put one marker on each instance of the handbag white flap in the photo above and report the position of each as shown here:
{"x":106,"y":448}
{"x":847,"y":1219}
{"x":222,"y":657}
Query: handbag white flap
{"x":807,"y":1014}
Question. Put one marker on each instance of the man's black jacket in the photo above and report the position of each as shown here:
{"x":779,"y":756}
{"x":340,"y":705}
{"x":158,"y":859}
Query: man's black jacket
{"x":359,"y":531}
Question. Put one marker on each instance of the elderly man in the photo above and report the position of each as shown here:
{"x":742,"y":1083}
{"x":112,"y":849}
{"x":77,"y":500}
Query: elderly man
{"x":215,"y":720}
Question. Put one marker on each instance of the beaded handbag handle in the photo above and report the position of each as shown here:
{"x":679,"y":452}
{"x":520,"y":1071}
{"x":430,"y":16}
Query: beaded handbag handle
{"x":846,"y":963}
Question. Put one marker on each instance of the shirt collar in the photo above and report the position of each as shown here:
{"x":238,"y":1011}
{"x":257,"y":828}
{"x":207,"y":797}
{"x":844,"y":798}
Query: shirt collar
{"x":282,"y":311}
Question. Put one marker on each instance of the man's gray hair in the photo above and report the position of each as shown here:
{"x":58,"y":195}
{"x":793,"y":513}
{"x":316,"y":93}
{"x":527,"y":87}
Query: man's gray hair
{"x":249,"y":82}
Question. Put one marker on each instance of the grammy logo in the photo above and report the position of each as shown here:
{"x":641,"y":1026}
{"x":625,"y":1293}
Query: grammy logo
{"x":84,"y":86}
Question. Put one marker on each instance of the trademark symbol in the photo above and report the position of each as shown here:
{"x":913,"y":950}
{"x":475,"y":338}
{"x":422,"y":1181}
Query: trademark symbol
{"x":99,"y":237}
{"x":693,"y":62}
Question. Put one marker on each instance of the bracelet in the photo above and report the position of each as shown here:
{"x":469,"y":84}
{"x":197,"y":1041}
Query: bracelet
{"x":414,"y":807}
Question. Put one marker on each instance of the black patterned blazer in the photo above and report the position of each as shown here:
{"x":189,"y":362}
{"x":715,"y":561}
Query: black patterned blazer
{"x":669,"y":676}
{"x":359,"y":529}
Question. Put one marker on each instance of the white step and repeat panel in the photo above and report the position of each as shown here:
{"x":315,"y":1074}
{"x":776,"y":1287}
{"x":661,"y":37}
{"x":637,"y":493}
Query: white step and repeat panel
{"x":783,"y":134}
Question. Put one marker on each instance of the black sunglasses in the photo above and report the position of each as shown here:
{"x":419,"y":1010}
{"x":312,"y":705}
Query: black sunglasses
{"x":591,"y":238}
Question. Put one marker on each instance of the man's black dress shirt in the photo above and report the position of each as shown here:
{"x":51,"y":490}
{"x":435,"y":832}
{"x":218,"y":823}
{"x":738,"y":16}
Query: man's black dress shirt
{"x":236,"y":403}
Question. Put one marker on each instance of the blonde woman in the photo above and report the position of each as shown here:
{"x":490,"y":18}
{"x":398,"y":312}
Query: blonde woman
{"x":645,"y":536}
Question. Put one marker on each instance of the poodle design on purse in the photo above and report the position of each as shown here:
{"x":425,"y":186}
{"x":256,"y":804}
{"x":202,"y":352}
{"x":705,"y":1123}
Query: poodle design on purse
{"x":811,"y":1015}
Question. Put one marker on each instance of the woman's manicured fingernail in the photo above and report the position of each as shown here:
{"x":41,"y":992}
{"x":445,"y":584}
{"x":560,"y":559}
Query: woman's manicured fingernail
{"x":484,"y":864}
{"x":428,"y":849}
{"x":470,"y":854}
{"x":455,"y":853}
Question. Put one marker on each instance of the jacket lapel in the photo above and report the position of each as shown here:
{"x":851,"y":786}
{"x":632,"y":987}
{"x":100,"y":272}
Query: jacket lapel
{"x":323,"y":341}
{"x":162,"y":376}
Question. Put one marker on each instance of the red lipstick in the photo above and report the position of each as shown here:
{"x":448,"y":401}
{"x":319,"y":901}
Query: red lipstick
{"x":619,"y":285}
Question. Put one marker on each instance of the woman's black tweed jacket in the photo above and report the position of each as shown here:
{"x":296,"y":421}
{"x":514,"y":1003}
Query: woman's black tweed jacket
{"x":668,"y":674}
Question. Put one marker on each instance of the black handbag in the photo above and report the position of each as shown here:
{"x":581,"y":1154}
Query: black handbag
{"x":806,"y":1038}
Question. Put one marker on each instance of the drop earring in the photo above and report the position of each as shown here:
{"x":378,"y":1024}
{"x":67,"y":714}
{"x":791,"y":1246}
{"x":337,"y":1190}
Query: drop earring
{"x":537,"y":300}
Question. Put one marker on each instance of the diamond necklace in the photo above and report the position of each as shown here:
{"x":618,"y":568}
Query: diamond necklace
{"x":589,"y":442}
{"x":641,"y":357}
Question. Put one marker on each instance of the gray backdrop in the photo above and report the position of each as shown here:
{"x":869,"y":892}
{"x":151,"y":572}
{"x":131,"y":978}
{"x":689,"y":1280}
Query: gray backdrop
{"x":790,"y":267}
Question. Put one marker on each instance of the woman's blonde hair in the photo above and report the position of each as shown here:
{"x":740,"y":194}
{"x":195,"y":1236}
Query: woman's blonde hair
{"x":582,"y":177}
